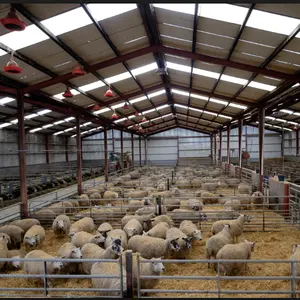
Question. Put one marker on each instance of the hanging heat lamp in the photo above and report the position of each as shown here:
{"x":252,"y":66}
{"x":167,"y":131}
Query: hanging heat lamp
{"x":78,"y":71}
{"x":12,"y":21}
{"x":126,"y":122}
{"x":96,"y":107}
{"x":114,"y":116}
{"x":109,"y":93}
{"x":144,"y":119}
{"x":295,"y":128}
{"x":140,"y":129}
{"x":136,"y":114}
{"x":126,"y":106}
{"x":67,"y":93}
{"x":12,"y":67}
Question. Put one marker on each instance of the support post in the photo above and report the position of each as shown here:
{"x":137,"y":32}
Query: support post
{"x":22,"y":154}
{"x":146,"y":151}
{"x":47,"y":148}
{"x":132,"y":149}
{"x":122,"y":151}
{"x":79,"y":156}
{"x":261,"y":135}
{"x":240,"y":144}
{"x":282,"y":143}
{"x":246,"y":143}
{"x":297,"y":142}
{"x":228,"y":144}
{"x":140,"y":150}
{"x":220,"y":150}
{"x":211,"y":148}
{"x":215,"y":147}
{"x":66,"y":149}
{"x":113,"y":140}
{"x":105,"y":154}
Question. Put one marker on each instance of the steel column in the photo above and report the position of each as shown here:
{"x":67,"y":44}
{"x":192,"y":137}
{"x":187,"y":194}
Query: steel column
{"x":66,"y":149}
{"x":122,"y":151}
{"x":228,"y":144}
{"x":220,"y":150}
{"x":261,"y":135}
{"x":240,"y":132}
{"x":22,"y":154}
{"x":246,"y":142}
{"x":132,"y":149}
{"x":297,"y":142}
{"x":282,"y":143}
{"x":113,"y":140}
{"x":146,"y":145}
{"x":211,"y":147}
{"x":79,"y":156}
{"x":47,"y":148}
{"x":215,"y":148}
{"x":105,"y":154}
{"x":140,"y":150}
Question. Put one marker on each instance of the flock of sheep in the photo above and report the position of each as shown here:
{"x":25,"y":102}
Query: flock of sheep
{"x":149,"y":235}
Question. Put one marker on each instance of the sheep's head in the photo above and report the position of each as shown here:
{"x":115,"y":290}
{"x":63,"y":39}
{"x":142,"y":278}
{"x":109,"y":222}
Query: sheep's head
{"x":16,"y":263}
{"x":252,"y":244}
{"x":98,"y":239}
{"x":197,"y":235}
{"x":295,"y":247}
{"x":247,"y":218}
{"x":76,"y":253}
{"x":116,"y":246}
{"x":60,"y":224}
{"x":31,"y":241}
{"x":188,"y":241}
{"x":58,"y":265}
{"x":203,"y":217}
{"x":174,"y":245}
{"x":5,"y":238}
{"x":157,"y":266}
{"x":226,"y":227}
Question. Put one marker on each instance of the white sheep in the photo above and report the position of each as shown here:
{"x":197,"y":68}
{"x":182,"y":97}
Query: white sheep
{"x":61,"y":225}
{"x":15,"y":265}
{"x":110,"y":269}
{"x":91,"y":251}
{"x":34,"y":236}
{"x":137,"y":194}
{"x":142,"y":219}
{"x":257,"y":198}
{"x":133,"y":227}
{"x":150,"y":247}
{"x":216,"y":242}
{"x":244,"y":188}
{"x":190,"y":230}
{"x":16,"y":235}
{"x":116,"y":234}
{"x":79,"y":239}
{"x":210,"y":186}
{"x":171,"y":203}
{"x":162,"y":218}
{"x":85,"y":224}
{"x":104,"y":228}
{"x":236,"y":226}
{"x":69,"y":251}
{"x":209,"y":198}
{"x":235,"y":251}
{"x":45,"y":214}
{"x":232,"y":204}
{"x":159,"y":230}
{"x":25,"y":224}
{"x":37,"y":267}
{"x":4,"y":241}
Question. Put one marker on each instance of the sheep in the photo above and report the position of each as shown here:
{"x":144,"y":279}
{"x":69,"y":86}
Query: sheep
{"x":196,"y":183}
{"x":37,"y":267}
{"x":210,"y":186}
{"x":162,"y":218}
{"x":182,"y":214}
{"x":110,"y":269}
{"x":25,"y":224}
{"x":79,"y":239}
{"x":296,"y":257}
{"x":257,"y":198}
{"x":235,"y":251}
{"x":194,"y":204}
{"x":133,"y":227}
{"x":233,"y":204}
{"x":244,"y":188}
{"x":45,"y":214}
{"x":133,"y":205}
{"x":245,"y":200}
{"x":190,"y":230}
{"x":15,"y":265}
{"x":141,"y":219}
{"x":216,"y":242}
{"x":236,"y":226}
{"x":108,"y":196}
{"x":232,"y":182}
{"x":62,"y":207}
{"x":85,"y":224}
{"x":165,"y":194}
{"x":95,"y":197}
{"x":91,"y":251}
{"x":171,"y":203}
{"x":137,"y":194}
{"x":69,"y":251}
{"x":61,"y":225}
{"x":150,"y":247}
{"x":34,"y":236}
{"x":209,"y":198}
{"x":153,"y":268}
{"x":16,"y":235}
{"x":159,"y":230}
{"x":84,"y":200}
{"x":104,"y":228}
{"x":176,"y":192}
{"x":4,"y":241}
{"x":183,"y":241}
{"x":116,"y":234}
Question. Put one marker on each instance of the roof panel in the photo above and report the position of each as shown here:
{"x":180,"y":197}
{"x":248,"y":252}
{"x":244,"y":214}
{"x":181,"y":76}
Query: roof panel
{"x":207,"y":66}
{"x":214,"y":106}
{"x":149,"y":79}
{"x":174,"y":43}
{"x":293,"y":45}
{"x":203,"y":83}
{"x":246,"y":59}
{"x":112,"y":70}
{"x":80,"y":100}
{"x":267,"y":80}
{"x":141,"y":61}
{"x":286,"y":9}
{"x":99,"y":57}
{"x":198,"y":102}
{"x":227,"y":88}
{"x":212,"y":51}
{"x":282,"y":66}
{"x":126,"y":85}
{"x":253,"y":93}
{"x":83,"y":80}
{"x":208,"y":39}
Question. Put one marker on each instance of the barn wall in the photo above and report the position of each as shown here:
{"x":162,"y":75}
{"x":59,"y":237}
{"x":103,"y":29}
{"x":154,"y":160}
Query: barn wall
{"x":290,"y":143}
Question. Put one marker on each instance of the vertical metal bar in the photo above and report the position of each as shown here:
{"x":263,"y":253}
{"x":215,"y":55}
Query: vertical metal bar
{"x":240,"y":132}
{"x":246,"y":141}
{"x":66,"y":149}
{"x":228,"y":144}
{"x":282,"y":143}
{"x":129,"y":275}
{"x":79,"y":156}
{"x":113,"y":140}
{"x":22,"y":154}
{"x":220,"y":150}
{"x":211,"y":149}
{"x":132,"y":150}
{"x":138,"y":283}
{"x":215,"y":147}
{"x":293,"y":280}
{"x":172,"y":177}
{"x":297,"y":142}
{"x":219,"y":280}
{"x":168,"y":184}
{"x":146,"y":150}
{"x":45,"y":278}
{"x":140,"y":150}
{"x":47,"y":148}
{"x":263,"y":219}
{"x":105,"y":154}
{"x":121,"y":276}
{"x":122,"y":151}
{"x":261,"y":135}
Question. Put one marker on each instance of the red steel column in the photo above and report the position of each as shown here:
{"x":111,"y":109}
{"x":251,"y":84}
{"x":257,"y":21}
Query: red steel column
{"x":132,"y":149}
{"x":146,"y":152}
{"x":211,"y":148}
{"x":22,"y":154}
{"x":297,"y":142}
{"x":246,"y":143}
{"x":105,"y":154}
{"x":215,"y":147}
{"x":228,"y":144}
{"x":240,"y":143}
{"x":122,"y":151}
{"x":66,"y":149}
{"x":47,"y":148}
{"x":79,"y":156}
{"x":140,"y":149}
{"x":220,"y":150}
{"x":261,"y":135}
{"x":113,"y":140}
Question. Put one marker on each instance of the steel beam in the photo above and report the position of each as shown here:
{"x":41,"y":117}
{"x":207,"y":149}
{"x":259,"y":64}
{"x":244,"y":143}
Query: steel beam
{"x":297,"y":142}
{"x":215,"y":148}
{"x":228,"y":144}
{"x":211,"y":147}
{"x":66,"y":149}
{"x":47,"y":148}
{"x":122,"y":150}
{"x":261,"y":135}
{"x":145,"y":146}
{"x":240,"y":134}
{"x":22,"y":153}
{"x":105,"y":154}
{"x":220,"y":150}
{"x":132,"y":149}
{"x":79,"y":156}
{"x":140,"y":150}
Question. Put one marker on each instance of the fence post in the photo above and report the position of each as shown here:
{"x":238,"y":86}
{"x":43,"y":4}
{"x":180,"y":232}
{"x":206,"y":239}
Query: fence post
{"x":168,"y":184}
{"x":263,"y":219}
{"x":219,"y":281}
{"x":45,"y":278}
{"x":172,"y":177}
{"x":293,"y":280}
{"x":158,"y":203}
{"x":129,"y":275}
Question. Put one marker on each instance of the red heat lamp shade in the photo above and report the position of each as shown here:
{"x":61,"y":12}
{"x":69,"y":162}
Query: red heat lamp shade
{"x":140,"y":129}
{"x":136,"y":114}
{"x":126,"y":106}
{"x":126,"y":122}
{"x":109,"y":93}
{"x":12,"y":21}
{"x":12,"y":67}
{"x":144,"y":119}
{"x":114,"y":116}
{"x":295,"y":128}
{"x":67,"y":93}
{"x":78,"y":71}
{"x":96,"y":107}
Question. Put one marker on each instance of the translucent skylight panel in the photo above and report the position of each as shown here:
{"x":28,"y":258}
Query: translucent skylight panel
{"x":43,"y":112}
{"x":47,"y":126}
{"x":91,"y":86}
{"x":162,"y":107}
{"x":132,"y":116}
{"x":120,"y":120}
{"x":287,"y":111}
{"x":118,"y":77}
{"x":223,"y":116}
{"x":15,"y":121}
{"x":59,"y":122}
{"x":30,"y":116}
{"x":210,"y":113}
{"x":168,"y":115}
{"x":233,"y":79}
{"x":237,"y":106}
{"x":68,"y":21}
{"x":272,"y":22}
{"x":138,"y":99}
{"x":293,"y":123}
{"x":144,"y":69}
{"x":186,"y":8}
{"x":118,"y":105}
{"x":155,"y":119}
{"x":84,"y":132}
{"x":87,"y":123}
{"x":199,"y":97}
{"x":58,"y":133}
{"x":262,"y":86}
{"x":180,"y":92}
{"x":102,"y":111}
{"x":152,"y":95}
{"x":178,"y":67}
{"x":270,"y":118}
{"x":93,"y":129}
{"x":281,"y":120}
{"x":35,"y":130}
{"x":295,"y":85}
{"x":69,"y":119}
{"x":296,"y":113}
{"x":5,"y":125}
{"x":181,"y":106}
{"x":206,"y":73}
{"x":195,"y":109}
{"x":6,"y":100}
{"x":69,"y":129}
{"x":149,"y":111}
{"x":218,"y":101}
